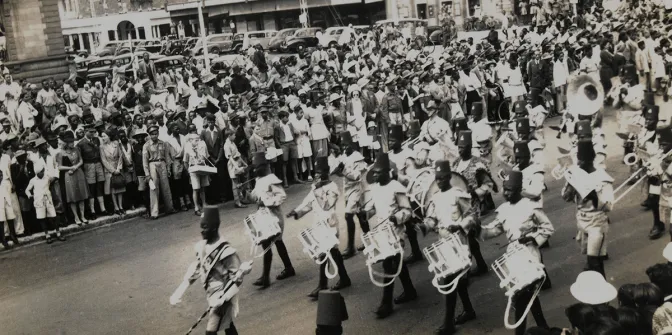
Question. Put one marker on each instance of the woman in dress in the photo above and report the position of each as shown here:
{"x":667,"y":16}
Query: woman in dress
{"x":113,"y":165}
{"x":70,"y":163}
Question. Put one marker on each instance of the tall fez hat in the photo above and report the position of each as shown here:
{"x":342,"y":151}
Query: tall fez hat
{"x":649,"y":98}
{"x":515,"y":179}
{"x":322,"y":164}
{"x":331,"y":309}
{"x":630,"y":72}
{"x":460,"y":124}
{"x":521,"y":149}
{"x":414,"y":128}
{"x":211,"y":216}
{"x":442,"y":168}
{"x":346,"y":138}
{"x":477,"y":108}
{"x":523,"y":125}
{"x":259,"y":159}
{"x":464,"y":139}
{"x":585,"y":150}
{"x":651,"y":112}
{"x":382,"y":161}
{"x":519,"y":107}
{"x":583,"y":128}
{"x":396,"y":132}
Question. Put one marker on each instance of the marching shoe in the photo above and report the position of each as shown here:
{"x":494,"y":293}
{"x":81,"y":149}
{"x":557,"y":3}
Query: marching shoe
{"x":286,"y":273}
{"x":50,"y":239}
{"x":656,"y":232}
{"x":60,"y":237}
{"x":341,"y":284}
{"x":262,"y":283}
{"x":405,"y":297}
{"x":444,"y":331}
{"x":315,"y":293}
{"x":348,"y":253}
{"x":384,"y":311}
{"x":413,"y":258}
{"x":6,"y":245}
{"x":360,"y":248}
{"x":464,"y":317}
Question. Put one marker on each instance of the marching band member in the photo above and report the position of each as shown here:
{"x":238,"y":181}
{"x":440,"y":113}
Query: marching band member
{"x":592,"y":209}
{"x":391,"y":206}
{"x":480,"y":185}
{"x":656,"y":170}
{"x":268,"y":192}
{"x":354,"y":169}
{"x":665,"y":180}
{"x":482,"y":133}
{"x":525,"y":134}
{"x":533,"y":174}
{"x":450,"y":212}
{"x":647,"y":141}
{"x":523,"y":222}
{"x":221,"y":272}
{"x":584,"y":131}
{"x":418,"y":162}
{"x":322,"y":199}
{"x":399,"y":157}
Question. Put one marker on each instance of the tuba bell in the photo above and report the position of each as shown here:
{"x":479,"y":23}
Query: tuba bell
{"x":586,"y":93}
{"x":630,"y":159}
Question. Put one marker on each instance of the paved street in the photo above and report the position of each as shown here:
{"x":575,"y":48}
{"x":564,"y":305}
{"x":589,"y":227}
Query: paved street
{"x":117,"y":280}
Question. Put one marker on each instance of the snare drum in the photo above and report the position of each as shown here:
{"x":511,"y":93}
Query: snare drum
{"x":380,"y":244}
{"x":418,"y":187}
{"x":447,"y":257}
{"x":517,"y":269}
{"x":318,"y":240}
{"x":262,"y":225}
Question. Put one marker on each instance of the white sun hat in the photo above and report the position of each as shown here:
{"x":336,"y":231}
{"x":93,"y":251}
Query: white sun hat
{"x":591,"y":288}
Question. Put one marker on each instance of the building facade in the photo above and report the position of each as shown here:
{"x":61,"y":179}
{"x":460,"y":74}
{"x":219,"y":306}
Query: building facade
{"x":33,"y":39}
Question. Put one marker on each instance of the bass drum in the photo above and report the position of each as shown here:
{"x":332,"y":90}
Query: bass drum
{"x":419,"y":186}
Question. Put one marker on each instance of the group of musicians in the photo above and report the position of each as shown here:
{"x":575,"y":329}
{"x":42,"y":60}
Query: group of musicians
{"x":459,"y":157}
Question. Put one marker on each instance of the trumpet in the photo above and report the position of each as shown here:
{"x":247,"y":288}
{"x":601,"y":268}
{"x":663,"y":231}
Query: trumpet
{"x":630,"y":159}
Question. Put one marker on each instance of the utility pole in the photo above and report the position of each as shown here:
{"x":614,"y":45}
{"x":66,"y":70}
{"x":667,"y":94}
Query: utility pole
{"x":201,"y":21}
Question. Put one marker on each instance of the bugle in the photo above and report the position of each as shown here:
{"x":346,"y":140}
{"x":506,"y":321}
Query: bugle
{"x":636,"y":174}
{"x":630,"y":159}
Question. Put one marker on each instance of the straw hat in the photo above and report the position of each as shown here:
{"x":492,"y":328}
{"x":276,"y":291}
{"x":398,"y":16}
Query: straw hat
{"x":591,"y":288}
{"x":334,"y":96}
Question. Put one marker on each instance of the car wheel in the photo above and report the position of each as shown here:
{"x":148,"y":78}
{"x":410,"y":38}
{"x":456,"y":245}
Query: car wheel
{"x":238,"y":48}
{"x":215,"y":50}
{"x":297,"y":46}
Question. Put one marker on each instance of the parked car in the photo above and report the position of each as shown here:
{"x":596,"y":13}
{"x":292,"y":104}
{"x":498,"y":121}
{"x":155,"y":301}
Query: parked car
{"x":102,"y":65}
{"x":304,"y":37}
{"x":217,"y":43}
{"x":109,"y":48}
{"x":169,"y":63}
{"x":331,"y":36}
{"x":275,"y":45}
{"x":245,"y":40}
{"x":153,"y":46}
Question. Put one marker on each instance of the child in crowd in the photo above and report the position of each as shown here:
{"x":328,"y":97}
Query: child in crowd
{"x":38,"y":190}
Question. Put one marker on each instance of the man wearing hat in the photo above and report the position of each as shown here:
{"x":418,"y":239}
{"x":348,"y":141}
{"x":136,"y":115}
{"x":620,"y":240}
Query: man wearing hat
{"x":584,"y":131}
{"x":659,"y":191}
{"x":179,"y":183}
{"x":481,"y":132}
{"x":522,"y":221}
{"x":354,"y":169}
{"x":449,"y":212}
{"x":391,"y":206}
{"x":89,"y":147}
{"x":44,"y":157}
{"x":647,"y":141}
{"x":533,"y":174}
{"x":219,"y":268}
{"x":480,"y":185}
{"x":435,"y":129}
{"x":389,"y":111}
{"x":142,"y":197}
{"x":592,"y":208}
{"x":268,"y":193}
{"x":155,"y":161}
{"x":322,"y":200}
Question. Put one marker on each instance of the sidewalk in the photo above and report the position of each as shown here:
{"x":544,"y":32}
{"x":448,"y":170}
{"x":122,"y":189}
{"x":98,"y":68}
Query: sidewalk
{"x":74,"y":228}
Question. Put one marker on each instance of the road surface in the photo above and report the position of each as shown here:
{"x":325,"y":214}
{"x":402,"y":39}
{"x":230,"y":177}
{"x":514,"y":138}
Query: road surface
{"x":117,"y":280}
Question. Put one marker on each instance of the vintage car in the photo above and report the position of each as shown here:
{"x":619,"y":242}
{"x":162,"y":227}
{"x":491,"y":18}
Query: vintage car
{"x":276,"y":43}
{"x":302,"y":38}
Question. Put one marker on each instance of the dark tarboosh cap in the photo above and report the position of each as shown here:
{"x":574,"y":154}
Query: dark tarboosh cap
{"x":211,"y":216}
{"x":585,"y":150}
{"x":465,"y":139}
{"x":442,"y":168}
{"x":515,"y":179}
{"x":331,"y":309}
{"x":521,"y":149}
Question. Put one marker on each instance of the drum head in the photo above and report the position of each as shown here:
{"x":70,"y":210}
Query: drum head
{"x":459,"y":181}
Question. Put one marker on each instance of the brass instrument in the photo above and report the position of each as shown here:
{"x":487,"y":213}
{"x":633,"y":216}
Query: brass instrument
{"x":586,"y":94}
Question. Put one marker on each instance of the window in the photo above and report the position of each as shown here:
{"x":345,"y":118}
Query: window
{"x":238,"y":37}
{"x":273,"y":33}
{"x":336,"y":32}
{"x":257,"y":35}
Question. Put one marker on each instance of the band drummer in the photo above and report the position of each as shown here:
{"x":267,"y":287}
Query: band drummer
{"x":219,"y":268}
{"x":592,"y":208}
{"x":268,"y":192}
{"x":400,"y":158}
{"x":391,"y":206}
{"x":533,"y":174}
{"x":480,"y":186}
{"x":525,"y":223}
{"x":450,"y":213}
{"x":658,"y":179}
{"x":647,"y":142}
{"x":354,"y":170}
{"x":322,"y":200}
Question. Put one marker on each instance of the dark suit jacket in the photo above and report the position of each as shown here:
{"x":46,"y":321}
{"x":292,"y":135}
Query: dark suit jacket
{"x":214,"y":145}
{"x":20,"y":179}
{"x":536,"y":74}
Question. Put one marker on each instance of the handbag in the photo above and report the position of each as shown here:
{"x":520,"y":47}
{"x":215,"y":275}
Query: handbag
{"x":117,"y":181}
